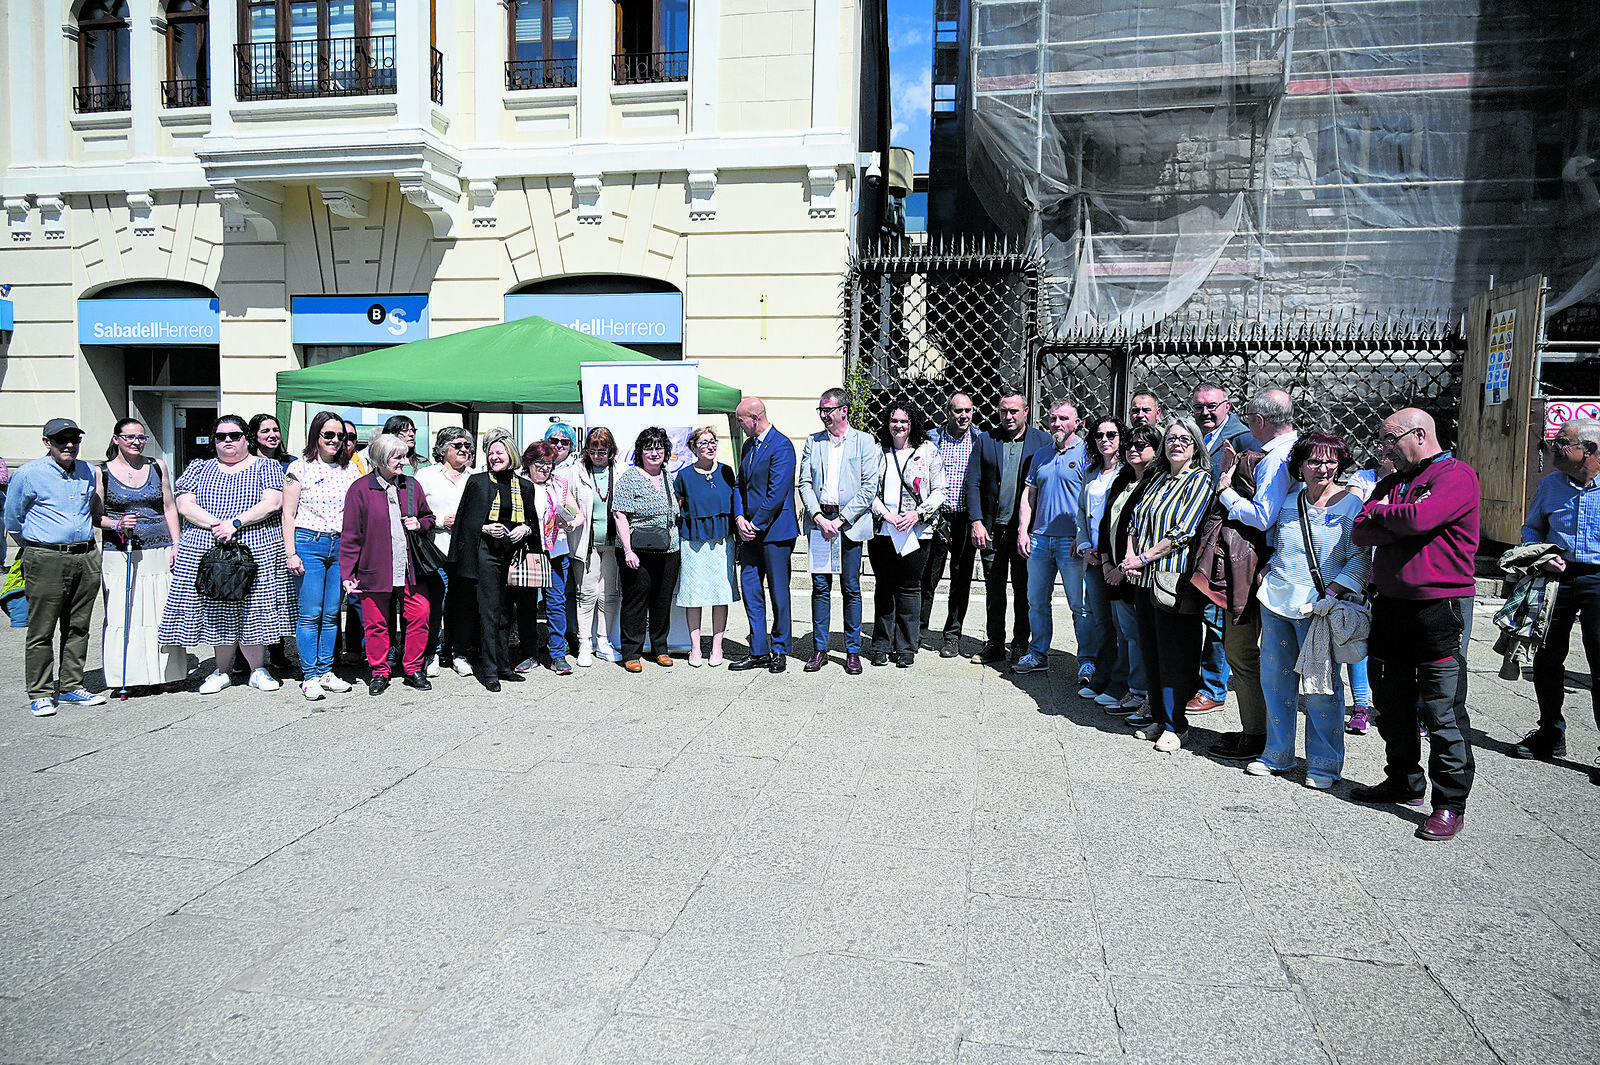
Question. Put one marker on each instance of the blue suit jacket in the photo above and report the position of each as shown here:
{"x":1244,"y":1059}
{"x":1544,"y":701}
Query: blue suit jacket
{"x":766,"y":483}
{"x":983,"y":473}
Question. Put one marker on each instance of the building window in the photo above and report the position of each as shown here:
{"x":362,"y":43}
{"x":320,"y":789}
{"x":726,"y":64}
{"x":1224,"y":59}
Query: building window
{"x":543,"y":35}
{"x":102,"y":57}
{"x":188,"y":81}
{"x":306,"y":48}
{"x":652,"y":41}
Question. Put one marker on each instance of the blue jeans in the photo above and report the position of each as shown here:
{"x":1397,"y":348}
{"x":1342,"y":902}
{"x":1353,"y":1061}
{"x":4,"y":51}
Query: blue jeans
{"x":1360,"y":686}
{"x":1113,"y":645}
{"x":1127,"y":621}
{"x":1213,"y":656}
{"x":555,"y":606}
{"x":1281,"y":639}
{"x":849,"y":590}
{"x":321,"y":593}
{"x":1048,"y":556}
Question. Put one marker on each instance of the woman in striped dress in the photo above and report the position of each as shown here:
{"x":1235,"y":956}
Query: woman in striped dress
{"x":1288,"y":593}
{"x":1159,"y":542}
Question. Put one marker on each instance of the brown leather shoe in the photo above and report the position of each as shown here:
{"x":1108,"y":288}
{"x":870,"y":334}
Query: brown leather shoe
{"x":852,"y":664}
{"x":816,"y":662}
{"x":1202,"y":704}
{"x":663,"y":660}
{"x":1442,"y":825}
{"x":633,"y":665}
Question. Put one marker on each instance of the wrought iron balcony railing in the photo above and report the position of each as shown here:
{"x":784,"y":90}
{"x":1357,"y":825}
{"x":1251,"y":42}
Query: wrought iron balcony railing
{"x":186,"y":92}
{"x":436,"y":77}
{"x":638,"y":68}
{"x":541,"y":73}
{"x":318,"y":66}
{"x":87,"y":99}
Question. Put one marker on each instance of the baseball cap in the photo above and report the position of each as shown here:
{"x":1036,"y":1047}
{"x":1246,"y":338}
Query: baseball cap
{"x":56,"y":426}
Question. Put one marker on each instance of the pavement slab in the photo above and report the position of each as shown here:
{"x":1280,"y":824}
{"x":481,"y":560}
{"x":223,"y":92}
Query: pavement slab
{"x":945,"y":865}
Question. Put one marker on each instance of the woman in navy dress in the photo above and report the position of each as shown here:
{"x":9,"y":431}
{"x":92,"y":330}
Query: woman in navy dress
{"x":705,"y":575}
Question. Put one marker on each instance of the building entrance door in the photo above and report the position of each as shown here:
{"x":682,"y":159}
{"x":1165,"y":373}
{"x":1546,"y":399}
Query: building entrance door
{"x":178,"y":421}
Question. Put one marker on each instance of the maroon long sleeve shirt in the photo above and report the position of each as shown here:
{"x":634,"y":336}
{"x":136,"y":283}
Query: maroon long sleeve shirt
{"x":1426,"y":534}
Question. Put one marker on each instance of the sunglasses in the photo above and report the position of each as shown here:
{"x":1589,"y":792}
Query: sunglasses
{"x":338,"y":436}
{"x":227,"y":437}
{"x":66,"y":441}
{"x":1106,"y":436}
{"x":462,"y":445}
{"x":558,"y":442}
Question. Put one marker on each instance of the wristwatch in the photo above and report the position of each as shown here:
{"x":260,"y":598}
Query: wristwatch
{"x":237,"y":524}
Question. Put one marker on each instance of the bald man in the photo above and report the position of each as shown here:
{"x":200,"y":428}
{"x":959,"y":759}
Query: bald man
{"x":767,"y":530}
{"x":1422,"y":521}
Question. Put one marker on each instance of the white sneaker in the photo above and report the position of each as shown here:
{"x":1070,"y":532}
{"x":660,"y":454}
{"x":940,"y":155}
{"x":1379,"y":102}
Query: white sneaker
{"x":311,"y":690}
{"x":463,"y":668}
{"x":585,"y":658}
{"x":263,"y":681}
{"x":1171,"y":741}
{"x":215,"y":683}
{"x":330,"y":683}
{"x":1107,"y":700}
{"x":608,"y":653}
{"x":433,"y":665}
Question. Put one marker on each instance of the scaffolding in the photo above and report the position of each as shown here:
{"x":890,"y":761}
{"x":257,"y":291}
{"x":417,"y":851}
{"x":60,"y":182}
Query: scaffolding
{"x":1262,"y":160}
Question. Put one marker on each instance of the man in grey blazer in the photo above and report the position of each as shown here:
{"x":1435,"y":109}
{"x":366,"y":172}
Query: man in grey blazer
{"x":839,"y":472}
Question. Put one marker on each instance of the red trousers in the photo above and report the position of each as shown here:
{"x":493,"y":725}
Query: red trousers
{"x":375,"y":607}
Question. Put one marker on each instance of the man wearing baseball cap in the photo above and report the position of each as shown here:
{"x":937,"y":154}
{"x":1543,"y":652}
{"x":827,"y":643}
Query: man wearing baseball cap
{"x":52,"y":507}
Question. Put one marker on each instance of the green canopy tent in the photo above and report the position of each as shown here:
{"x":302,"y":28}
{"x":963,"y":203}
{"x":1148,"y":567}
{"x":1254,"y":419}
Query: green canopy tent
{"x":531,"y":365}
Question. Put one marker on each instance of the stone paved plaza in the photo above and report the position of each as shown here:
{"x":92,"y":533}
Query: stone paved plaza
{"x":945,"y":864}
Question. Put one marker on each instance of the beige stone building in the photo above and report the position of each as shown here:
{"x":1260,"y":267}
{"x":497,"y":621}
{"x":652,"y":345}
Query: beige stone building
{"x":198,"y":196}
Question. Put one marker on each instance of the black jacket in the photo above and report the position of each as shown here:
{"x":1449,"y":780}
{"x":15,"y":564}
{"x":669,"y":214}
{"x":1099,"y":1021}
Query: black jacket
{"x":477,"y":499}
{"x":983,"y":474}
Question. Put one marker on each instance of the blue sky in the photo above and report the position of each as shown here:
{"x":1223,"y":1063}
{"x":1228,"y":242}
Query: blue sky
{"x":911,"y":74}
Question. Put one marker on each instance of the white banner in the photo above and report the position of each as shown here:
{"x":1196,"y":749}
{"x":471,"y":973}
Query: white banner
{"x":628,"y":397}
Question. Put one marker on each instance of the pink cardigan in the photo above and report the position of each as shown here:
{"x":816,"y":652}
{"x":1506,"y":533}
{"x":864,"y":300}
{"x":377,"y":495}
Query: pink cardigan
{"x":365,"y":554}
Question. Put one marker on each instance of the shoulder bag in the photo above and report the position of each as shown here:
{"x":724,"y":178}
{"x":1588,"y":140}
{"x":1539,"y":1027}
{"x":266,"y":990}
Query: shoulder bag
{"x":426,"y":558}
{"x":647,"y":538}
{"x":939,"y":523}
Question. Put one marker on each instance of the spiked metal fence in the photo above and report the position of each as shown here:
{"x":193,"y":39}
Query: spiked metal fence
{"x":1345,"y":372}
{"x":925,"y":321}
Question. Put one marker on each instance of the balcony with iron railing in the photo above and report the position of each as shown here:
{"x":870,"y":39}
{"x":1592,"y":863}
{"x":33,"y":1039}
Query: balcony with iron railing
{"x":186,"y":92}
{"x":541,"y":73}
{"x":644,"y":68}
{"x":436,"y":76}
{"x":319,"y":67}
{"x":91,"y":99}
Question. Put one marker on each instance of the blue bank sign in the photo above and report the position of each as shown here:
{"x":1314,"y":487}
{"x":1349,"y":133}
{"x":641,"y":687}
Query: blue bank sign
{"x":622,"y":318}
{"x":371,"y":320}
{"x":148,"y":323}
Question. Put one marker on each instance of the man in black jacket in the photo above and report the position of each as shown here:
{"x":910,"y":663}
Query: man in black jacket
{"x":995,"y":478}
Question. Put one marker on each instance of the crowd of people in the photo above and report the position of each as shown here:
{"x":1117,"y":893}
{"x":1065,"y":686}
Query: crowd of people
{"x":1198,"y":553}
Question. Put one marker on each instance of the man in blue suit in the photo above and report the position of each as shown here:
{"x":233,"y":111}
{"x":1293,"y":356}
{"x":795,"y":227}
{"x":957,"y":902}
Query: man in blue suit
{"x":768,"y":530}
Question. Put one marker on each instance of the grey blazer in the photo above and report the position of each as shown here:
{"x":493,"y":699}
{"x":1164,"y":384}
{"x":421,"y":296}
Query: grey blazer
{"x":858,"y":476}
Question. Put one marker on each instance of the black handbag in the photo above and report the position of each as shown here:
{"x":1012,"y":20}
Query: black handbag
{"x":426,"y":558}
{"x":226,"y":573}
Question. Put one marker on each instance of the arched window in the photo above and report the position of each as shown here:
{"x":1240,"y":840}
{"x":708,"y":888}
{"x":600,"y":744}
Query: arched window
{"x":543,"y":39}
{"x":188,"y":81}
{"x":306,"y":48}
{"x":102,"y":57}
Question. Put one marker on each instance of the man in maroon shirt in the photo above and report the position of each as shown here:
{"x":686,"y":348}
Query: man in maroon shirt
{"x":1423,"y":521}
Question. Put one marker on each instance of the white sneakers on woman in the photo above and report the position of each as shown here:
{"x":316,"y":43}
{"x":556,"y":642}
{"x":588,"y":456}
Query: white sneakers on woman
{"x":215,"y":683}
{"x":311,"y":689}
{"x":263,"y":681}
{"x":330,"y":683}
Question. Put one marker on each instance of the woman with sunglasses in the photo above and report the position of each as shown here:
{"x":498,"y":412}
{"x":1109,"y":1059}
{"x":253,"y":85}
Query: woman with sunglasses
{"x":594,"y":555}
{"x":1161,"y":535}
{"x":1109,"y":684}
{"x":314,"y":489}
{"x":141,"y":527}
{"x":1140,"y":445}
{"x":443,"y":482}
{"x":236,"y":495}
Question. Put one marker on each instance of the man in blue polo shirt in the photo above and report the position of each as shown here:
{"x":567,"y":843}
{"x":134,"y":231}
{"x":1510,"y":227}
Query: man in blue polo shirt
{"x":52,"y":508}
{"x":1047,"y":536}
{"x":1566,"y":512}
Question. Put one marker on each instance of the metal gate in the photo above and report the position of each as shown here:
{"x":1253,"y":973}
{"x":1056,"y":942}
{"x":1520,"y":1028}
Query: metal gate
{"x":922,"y":322}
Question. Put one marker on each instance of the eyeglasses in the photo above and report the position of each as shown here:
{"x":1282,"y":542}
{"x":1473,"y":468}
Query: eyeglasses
{"x":600,"y":451}
{"x":1107,"y":436}
{"x":830,"y":410}
{"x":1183,"y":440}
{"x":1320,"y":462}
{"x":652,"y":449}
{"x":132,"y":439}
{"x":227,"y":437}
{"x":546,"y":466}
{"x":1391,"y":439}
{"x":1208,"y":408}
{"x":1555,"y":444}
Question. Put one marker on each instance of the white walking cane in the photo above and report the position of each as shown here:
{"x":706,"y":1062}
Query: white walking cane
{"x":130,"y":547}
